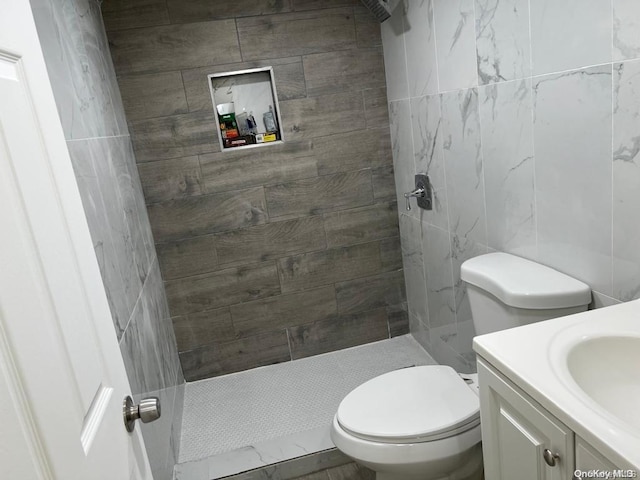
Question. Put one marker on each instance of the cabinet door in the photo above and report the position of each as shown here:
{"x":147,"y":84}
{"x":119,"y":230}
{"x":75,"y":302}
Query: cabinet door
{"x":516,"y":432}
{"x":588,"y":458}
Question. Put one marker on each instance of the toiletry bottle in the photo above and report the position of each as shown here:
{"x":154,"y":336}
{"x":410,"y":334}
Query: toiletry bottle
{"x":269,"y":120}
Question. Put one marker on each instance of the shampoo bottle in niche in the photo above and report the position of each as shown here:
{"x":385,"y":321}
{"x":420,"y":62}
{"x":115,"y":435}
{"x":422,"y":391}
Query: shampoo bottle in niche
{"x":269,"y":120}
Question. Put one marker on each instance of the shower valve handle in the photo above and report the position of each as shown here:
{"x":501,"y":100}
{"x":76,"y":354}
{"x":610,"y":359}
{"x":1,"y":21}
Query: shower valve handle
{"x":417,"y":193}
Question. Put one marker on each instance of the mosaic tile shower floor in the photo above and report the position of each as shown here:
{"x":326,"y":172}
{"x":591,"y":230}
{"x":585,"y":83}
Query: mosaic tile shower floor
{"x":270,"y":414}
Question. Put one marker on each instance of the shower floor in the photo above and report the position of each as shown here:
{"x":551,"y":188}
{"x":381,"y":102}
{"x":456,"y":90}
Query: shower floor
{"x":267,"y":415}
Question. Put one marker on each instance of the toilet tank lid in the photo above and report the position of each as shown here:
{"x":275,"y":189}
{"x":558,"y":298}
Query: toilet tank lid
{"x":521,"y":283}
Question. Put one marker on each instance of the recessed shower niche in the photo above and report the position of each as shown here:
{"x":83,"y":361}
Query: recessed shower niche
{"x":246,"y":105}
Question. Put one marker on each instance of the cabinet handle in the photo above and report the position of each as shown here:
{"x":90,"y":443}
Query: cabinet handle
{"x":550,"y":457}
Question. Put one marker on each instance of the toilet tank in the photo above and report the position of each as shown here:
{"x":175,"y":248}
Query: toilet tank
{"x":506,"y":291}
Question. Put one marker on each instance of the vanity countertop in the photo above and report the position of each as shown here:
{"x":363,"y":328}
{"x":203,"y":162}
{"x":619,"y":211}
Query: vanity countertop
{"x":534,"y":358}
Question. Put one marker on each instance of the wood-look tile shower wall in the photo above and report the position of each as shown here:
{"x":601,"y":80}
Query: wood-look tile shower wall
{"x":280,"y":252}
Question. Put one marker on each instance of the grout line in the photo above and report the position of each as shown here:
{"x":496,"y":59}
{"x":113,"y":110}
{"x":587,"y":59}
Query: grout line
{"x":106,"y":137}
{"x":475,"y":42}
{"x":435,"y":42}
{"x":533,"y":139}
{"x":613,"y":103}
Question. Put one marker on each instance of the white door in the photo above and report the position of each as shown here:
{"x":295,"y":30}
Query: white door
{"x":62,"y":378}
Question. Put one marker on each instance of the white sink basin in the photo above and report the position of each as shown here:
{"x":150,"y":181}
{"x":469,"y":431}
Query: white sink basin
{"x":607,"y":371}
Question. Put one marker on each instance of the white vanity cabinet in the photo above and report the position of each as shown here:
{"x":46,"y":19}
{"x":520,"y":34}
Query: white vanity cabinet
{"x":589,"y":459}
{"x":520,"y":439}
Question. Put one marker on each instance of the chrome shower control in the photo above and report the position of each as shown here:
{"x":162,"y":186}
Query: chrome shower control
{"x":422,"y":193}
{"x":147,"y":411}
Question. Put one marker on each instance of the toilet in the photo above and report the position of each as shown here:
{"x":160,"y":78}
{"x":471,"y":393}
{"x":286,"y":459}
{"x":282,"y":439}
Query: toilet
{"x":423,"y":423}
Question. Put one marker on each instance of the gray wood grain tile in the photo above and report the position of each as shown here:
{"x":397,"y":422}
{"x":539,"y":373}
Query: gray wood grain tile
{"x":315,"y":476}
{"x":191,"y":256}
{"x":295,"y":468}
{"x":153,"y":95}
{"x":174,"y":47}
{"x":302,"y":5}
{"x":235,"y":356}
{"x":384,"y":183}
{"x":369,"y":293}
{"x":347,"y":331}
{"x":222,"y":288}
{"x":289,"y":34}
{"x":359,"y":225}
{"x":270,"y":241}
{"x":376,"y":108}
{"x":391,"y":254}
{"x":288,"y":74}
{"x":284,"y":311}
{"x":398,"y":318}
{"x":174,"y":136}
{"x":203,"y":328}
{"x":321,"y":116}
{"x":347,"y":70}
{"x":271,"y":164}
{"x":170,"y":179}
{"x":353,"y":151}
{"x":185,"y":11}
{"x":204,"y":214}
{"x":334,"y":265}
{"x":120,"y":14}
{"x":368,"y":32}
{"x":320,"y":194}
{"x":351,"y":471}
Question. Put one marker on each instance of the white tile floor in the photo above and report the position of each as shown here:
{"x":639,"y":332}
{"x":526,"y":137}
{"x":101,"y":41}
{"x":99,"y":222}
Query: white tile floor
{"x":283,"y":403}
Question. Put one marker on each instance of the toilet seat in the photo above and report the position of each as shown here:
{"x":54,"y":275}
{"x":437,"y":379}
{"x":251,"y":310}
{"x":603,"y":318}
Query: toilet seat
{"x":411,"y":405}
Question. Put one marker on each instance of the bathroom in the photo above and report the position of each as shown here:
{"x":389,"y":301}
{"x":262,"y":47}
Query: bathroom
{"x":522,"y":112}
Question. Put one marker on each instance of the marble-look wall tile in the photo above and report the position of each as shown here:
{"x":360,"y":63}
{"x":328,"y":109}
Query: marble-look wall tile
{"x":104,"y":247}
{"x":456,"y":44}
{"x":413,"y":266}
{"x":464,"y":165}
{"x":141,"y":350}
{"x":420,"y":45}
{"x":626,"y":24}
{"x":421,"y":333}
{"x":88,"y":99}
{"x":402,"y":151}
{"x":570,"y":34}
{"x":436,"y":254}
{"x":572,"y":139}
{"x":92,"y":116}
{"x":507,"y":150}
{"x":395,"y":61}
{"x":465,"y":185}
{"x":626,"y":180}
{"x":502,"y":33}
{"x":426,"y":122}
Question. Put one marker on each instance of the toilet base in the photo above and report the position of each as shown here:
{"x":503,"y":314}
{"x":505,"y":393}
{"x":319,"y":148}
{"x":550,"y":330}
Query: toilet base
{"x":471,"y":470}
{"x":386,"y":476}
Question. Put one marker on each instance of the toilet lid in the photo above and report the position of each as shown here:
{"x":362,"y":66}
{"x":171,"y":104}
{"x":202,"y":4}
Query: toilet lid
{"x":411,"y":403}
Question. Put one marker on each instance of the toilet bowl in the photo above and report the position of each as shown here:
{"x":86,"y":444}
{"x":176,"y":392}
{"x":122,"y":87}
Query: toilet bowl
{"x":423,"y":423}
{"x":414,"y":423}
